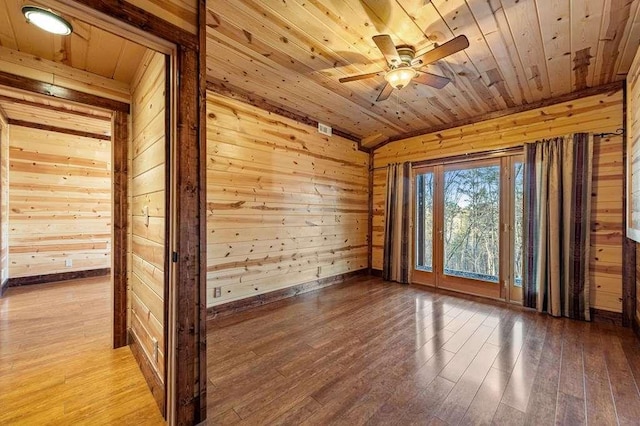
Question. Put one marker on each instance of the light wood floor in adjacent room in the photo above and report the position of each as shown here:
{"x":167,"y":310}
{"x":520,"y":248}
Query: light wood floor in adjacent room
{"x":56,"y":361}
{"x":368,"y":352}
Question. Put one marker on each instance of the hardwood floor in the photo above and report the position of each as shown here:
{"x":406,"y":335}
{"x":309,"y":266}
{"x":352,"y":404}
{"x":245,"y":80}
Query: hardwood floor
{"x":369,"y":352}
{"x":56,"y":361}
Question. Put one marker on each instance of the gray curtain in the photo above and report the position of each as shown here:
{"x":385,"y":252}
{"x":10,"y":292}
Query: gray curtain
{"x":397,"y":251}
{"x":557,"y":222}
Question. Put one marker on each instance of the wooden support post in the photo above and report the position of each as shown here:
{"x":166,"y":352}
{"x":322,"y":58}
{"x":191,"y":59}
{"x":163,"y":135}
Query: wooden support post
{"x":201,"y":411}
{"x":119,"y":149}
{"x":189,"y":219}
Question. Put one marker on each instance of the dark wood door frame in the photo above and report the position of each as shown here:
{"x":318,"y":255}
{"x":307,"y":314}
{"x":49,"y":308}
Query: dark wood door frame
{"x":120,"y":218}
{"x":189,"y":252}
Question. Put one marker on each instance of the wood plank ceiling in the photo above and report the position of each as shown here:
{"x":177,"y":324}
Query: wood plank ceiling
{"x":291,"y":54}
{"x":88,"y":48}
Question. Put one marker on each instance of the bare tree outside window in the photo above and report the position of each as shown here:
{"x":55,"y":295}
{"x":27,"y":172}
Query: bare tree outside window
{"x":518,"y":177}
{"x":472,"y":223}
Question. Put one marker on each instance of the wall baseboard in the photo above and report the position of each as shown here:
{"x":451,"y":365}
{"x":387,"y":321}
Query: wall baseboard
{"x":274,"y":296}
{"x":62,"y":276}
{"x":635,"y":325}
{"x":606,"y":317}
{"x":153,"y":381}
{"x":376,"y":273}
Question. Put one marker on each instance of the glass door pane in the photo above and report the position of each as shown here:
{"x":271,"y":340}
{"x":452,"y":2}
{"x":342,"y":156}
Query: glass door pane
{"x":518,"y":212}
{"x":517,"y":172}
{"x":424,"y":222}
{"x":471,"y":228}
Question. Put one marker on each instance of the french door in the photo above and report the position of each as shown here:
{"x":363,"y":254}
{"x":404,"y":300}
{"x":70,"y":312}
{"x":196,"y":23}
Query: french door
{"x":467,"y":226}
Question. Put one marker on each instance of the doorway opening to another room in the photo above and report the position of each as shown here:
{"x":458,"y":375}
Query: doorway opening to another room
{"x":89,"y":131}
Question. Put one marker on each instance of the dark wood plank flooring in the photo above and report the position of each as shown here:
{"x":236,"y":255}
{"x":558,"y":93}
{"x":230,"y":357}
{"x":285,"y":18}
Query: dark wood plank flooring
{"x":375,"y":353}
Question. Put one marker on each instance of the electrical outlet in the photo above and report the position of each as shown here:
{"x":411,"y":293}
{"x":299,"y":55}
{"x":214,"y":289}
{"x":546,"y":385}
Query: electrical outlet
{"x":324,"y":129}
{"x":154,"y":342}
{"x":68,"y":263}
{"x":217,"y":291}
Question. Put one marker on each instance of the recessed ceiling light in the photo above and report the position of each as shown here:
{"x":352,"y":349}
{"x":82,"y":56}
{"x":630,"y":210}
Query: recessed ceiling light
{"x":47,"y":20}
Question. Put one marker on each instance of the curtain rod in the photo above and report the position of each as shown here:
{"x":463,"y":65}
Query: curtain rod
{"x":618,"y":132}
{"x":481,"y":155}
{"x":488,"y":154}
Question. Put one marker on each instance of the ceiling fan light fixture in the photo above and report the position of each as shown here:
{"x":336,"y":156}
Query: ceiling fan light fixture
{"x":47,"y":20}
{"x":400,"y":77}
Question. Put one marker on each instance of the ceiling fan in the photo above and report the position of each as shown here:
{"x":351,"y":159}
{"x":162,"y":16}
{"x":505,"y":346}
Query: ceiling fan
{"x":404,"y":64}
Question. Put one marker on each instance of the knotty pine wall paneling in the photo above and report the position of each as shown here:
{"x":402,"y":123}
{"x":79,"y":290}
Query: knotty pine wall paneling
{"x":4,"y":201}
{"x":599,"y":113}
{"x":182,"y":13}
{"x":147,"y":188}
{"x":633,"y":163}
{"x":34,"y":67}
{"x":60,"y":202}
{"x":285,"y":205}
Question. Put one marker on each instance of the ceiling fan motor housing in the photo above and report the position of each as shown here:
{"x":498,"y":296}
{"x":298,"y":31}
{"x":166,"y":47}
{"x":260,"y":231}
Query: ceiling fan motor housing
{"x":406,"y":53}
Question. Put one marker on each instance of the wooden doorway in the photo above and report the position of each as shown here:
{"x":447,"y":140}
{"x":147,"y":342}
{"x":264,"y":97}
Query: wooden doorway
{"x":143,"y":128}
{"x":185,"y":304}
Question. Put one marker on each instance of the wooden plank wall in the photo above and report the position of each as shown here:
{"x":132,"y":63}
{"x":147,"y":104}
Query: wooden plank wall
{"x":147,"y":188}
{"x":26,"y":65}
{"x":4,"y":200}
{"x":60,"y":202}
{"x":599,"y":113}
{"x":182,"y":13}
{"x":633,"y":163}
{"x":607,"y":225}
{"x":285,"y":205}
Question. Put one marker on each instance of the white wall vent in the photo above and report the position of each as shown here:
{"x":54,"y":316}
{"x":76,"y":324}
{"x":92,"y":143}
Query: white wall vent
{"x":324,"y":129}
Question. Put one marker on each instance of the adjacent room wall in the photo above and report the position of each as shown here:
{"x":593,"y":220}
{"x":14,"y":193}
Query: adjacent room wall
{"x":4,"y":201}
{"x":285,"y":205}
{"x":600,"y":113}
{"x":60,"y":202}
{"x":633,"y":164}
{"x":147,"y":186}
{"x":31,"y":66}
